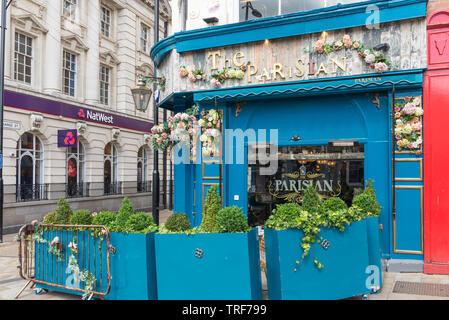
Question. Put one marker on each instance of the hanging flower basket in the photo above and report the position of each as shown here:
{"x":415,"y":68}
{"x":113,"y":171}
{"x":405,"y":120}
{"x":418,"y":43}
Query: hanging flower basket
{"x":211,"y":124}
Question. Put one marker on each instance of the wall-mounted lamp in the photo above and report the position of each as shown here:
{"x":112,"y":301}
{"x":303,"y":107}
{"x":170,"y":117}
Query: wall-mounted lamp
{"x":254,"y":12}
{"x":295,"y":138}
{"x":342,"y":143}
{"x":382,"y":47}
{"x":210,"y":20}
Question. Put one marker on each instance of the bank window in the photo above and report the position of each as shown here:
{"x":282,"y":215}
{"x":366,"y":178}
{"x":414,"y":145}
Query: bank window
{"x":252,"y":9}
{"x":23,"y":57}
{"x":105,"y":84}
{"x":69,"y":9}
{"x":30,"y":157}
{"x":111,"y":184}
{"x":76,"y":159}
{"x":144,"y":37}
{"x":334,"y":171}
{"x":69,"y":73}
{"x":142,"y":171}
{"x":105,"y":21}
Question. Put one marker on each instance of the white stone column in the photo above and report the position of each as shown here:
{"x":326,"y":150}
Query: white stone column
{"x":93,"y":54}
{"x":126,"y":53}
{"x":53,"y":56}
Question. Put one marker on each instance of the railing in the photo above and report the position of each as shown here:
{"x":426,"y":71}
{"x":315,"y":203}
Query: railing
{"x":112,"y":188}
{"x":65,"y":263}
{"x":79,"y":190}
{"x":31,"y":192}
{"x":143,"y":186}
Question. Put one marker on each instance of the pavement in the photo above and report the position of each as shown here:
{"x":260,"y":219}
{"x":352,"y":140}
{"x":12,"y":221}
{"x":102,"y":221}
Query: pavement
{"x":11,"y":283}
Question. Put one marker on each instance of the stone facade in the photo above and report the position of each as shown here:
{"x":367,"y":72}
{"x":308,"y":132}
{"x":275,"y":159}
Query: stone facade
{"x":52,"y":30}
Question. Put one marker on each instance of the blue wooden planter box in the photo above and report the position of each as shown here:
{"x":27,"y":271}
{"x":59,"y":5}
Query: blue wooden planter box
{"x":213,"y":266}
{"x":375,"y":248}
{"x":345,"y":263}
{"x":132,"y":267}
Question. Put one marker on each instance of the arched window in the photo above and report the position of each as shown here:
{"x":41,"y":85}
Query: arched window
{"x":142,"y":170}
{"x":75,"y":174}
{"x":111,"y":185}
{"x":30,"y":158}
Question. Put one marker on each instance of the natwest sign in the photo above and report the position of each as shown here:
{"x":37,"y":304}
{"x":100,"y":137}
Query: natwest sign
{"x":98,"y":116}
{"x":38,"y":104}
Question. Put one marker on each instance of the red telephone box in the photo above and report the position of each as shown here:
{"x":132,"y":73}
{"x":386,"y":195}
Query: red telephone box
{"x":436,"y":154}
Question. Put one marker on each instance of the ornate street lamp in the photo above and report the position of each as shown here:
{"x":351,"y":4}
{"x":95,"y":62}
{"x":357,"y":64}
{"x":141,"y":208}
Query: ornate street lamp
{"x":141,"y":95}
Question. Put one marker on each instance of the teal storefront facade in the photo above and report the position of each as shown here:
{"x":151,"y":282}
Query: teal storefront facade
{"x":328,"y":115}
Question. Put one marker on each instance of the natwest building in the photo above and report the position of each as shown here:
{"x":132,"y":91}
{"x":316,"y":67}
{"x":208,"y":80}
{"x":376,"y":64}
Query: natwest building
{"x":337,"y":88}
{"x":71,"y":128}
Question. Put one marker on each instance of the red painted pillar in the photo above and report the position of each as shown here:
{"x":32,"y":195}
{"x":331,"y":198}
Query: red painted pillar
{"x":436,"y":152}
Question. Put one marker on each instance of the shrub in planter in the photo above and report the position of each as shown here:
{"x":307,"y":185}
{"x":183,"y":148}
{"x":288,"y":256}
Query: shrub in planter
{"x":367,"y":201}
{"x":104,"y":218}
{"x":125,"y":211}
{"x":334,"y":204}
{"x":311,"y":201}
{"x":335,"y":249}
{"x":81,"y":217}
{"x":140,"y":222}
{"x":178,"y":222}
{"x":231,"y":219}
{"x":50,"y":218}
{"x":132,"y":264}
{"x":63,"y":212}
{"x":211,"y":207}
{"x":215,"y":266}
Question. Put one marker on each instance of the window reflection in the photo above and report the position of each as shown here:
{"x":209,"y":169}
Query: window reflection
{"x":269,"y":8}
{"x":333,"y":171}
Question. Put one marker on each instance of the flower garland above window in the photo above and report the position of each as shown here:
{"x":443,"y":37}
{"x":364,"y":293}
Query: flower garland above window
{"x":219,"y":77}
{"x":193,"y":76}
{"x":408,"y":114}
{"x":375,"y":59}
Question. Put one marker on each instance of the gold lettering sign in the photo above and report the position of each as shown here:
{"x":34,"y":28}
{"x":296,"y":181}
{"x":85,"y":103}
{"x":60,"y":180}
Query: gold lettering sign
{"x":278,"y":71}
{"x":291,"y":186}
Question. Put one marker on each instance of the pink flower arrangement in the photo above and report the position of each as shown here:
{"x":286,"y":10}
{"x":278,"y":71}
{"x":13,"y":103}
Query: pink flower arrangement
{"x":381,"y":67}
{"x":319,"y":46}
{"x":192,"y":77}
{"x":183,"y":72}
{"x":347,"y":41}
{"x":408,"y":128}
{"x":215,"y":83}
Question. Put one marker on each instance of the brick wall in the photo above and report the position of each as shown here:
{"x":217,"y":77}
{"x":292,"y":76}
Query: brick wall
{"x":435,"y":5}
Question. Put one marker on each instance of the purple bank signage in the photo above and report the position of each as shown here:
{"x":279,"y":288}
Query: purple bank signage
{"x":67,"y":138}
{"x":22,"y":101}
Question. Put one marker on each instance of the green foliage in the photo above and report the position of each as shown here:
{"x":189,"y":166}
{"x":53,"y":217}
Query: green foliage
{"x":125,"y":211}
{"x":334,"y":204}
{"x":287,"y":216}
{"x":293,"y":216}
{"x":311,"y":201}
{"x":178,"y":222}
{"x":314,"y":214}
{"x":211,"y":208}
{"x":367,"y":201}
{"x":50,"y":218}
{"x":81,"y":217}
{"x":140,"y":222}
{"x":104,"y":218}
{"x":63,"y":212}
{"x":231,"y":219}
